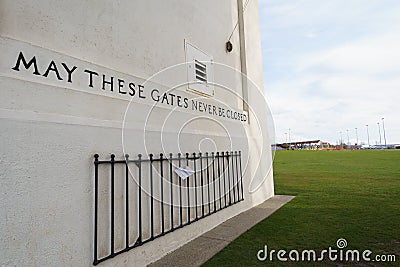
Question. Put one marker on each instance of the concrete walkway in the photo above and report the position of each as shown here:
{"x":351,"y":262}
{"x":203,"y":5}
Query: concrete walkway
{"x":203,"y":248}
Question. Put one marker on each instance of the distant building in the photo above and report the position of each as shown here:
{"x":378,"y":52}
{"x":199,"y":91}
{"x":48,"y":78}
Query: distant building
{"x":309,"y":145}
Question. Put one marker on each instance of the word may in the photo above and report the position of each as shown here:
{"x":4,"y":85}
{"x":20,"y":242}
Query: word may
{"x":52,"y":67}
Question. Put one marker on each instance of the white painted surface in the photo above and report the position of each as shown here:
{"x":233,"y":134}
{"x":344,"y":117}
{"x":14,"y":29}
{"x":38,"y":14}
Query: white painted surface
{"x":51,"y":128}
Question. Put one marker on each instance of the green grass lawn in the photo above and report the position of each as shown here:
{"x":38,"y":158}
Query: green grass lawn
{"x":339,"y":194}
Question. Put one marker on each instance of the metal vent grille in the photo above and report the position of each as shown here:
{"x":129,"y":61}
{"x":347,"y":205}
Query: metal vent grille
{"x":200,"y":71}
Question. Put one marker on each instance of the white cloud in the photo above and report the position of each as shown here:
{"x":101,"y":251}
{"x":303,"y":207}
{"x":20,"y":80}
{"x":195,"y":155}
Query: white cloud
{"x":375,"y":54}
{"x":319,"y":88}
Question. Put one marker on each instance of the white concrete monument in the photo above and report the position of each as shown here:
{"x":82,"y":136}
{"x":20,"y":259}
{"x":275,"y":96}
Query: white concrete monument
{"x":128,"y":128}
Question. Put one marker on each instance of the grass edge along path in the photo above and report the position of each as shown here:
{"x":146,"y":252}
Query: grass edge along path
{"x":353,"y":195}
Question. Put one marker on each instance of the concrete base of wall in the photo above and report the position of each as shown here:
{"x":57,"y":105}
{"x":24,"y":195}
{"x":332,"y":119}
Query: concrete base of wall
{"x":201,"y":249}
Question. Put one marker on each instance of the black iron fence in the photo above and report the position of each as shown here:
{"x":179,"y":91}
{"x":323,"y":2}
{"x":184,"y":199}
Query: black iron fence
{"x":138,"y":200}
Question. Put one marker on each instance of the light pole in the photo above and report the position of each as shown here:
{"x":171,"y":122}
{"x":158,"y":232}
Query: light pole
{"x":341,"y":139}
{"x":289,"y":141}
{"x":367,"y":134}
{"x":356,"y":137}
{"x":384,"y":133}
{"x":348,"y":139}
{"x":380,"y":137}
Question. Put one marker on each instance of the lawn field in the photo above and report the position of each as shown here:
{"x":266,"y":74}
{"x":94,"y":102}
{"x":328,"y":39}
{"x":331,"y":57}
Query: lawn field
{"x":353,"y":195}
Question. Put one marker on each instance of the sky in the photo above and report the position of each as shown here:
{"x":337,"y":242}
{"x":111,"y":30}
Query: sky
{"x":332,"y":66}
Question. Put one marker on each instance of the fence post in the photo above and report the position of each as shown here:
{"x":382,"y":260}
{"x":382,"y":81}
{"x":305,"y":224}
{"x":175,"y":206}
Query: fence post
{"x":172,"y":192}
{"x":126,"y":202}
{"x":96,"y":203}
{"x":139,"y":240}
{"x":112,"y":203}
{"x":151,"y":197}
